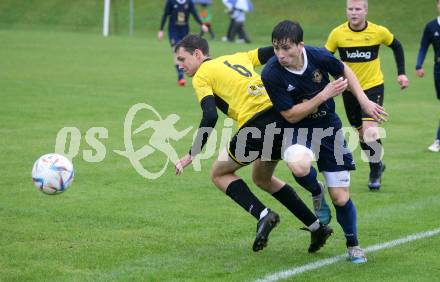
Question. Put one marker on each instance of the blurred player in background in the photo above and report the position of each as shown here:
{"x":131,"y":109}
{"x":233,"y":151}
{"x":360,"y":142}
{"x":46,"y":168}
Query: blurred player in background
{"x":431,"y":36}
{"x":358,"y":42}
{"x":237,"y":10}
{"x":178,"y":26}
{"x":205,"y":13}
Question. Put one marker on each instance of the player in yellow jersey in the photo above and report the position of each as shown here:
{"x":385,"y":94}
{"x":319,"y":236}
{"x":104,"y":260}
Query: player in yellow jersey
{"x":231,"y":84}
{"x":358,"y":42}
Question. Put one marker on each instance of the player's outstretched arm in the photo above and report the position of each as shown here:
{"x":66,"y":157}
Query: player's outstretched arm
{"x":207,"y":124}
{"x":166,"y":12}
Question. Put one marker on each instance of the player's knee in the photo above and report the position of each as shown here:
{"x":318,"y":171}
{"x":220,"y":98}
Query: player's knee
{"x":261,"y":181}
{"x":340,"y":201}
{"x":214,"y":177}
{"x":339,"y":197}
{"x":299,"y":159}
{"x":216,"y":174}
{"x":300,"y":169}
{"x":370,"y":133}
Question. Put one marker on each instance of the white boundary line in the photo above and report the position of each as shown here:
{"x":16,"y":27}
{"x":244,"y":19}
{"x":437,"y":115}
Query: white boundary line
{"x":324,"y":262}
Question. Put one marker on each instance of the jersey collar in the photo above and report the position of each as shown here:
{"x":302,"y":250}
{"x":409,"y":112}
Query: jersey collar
{"x":303,"y":69}
{"x":366,"y":25}
{"x":438,"y":20}
{"x":207,"y":59}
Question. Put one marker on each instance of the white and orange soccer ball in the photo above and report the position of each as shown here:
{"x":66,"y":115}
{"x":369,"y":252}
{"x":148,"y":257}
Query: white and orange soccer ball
{"x":52,"y":174}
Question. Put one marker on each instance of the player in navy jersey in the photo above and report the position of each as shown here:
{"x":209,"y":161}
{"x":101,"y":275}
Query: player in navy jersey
{"x":298,"y":84}
{"x":431,"y":35}
{"x":178,"y":27}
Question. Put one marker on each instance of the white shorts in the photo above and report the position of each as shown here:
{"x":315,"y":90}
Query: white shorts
{"x":336,"y":179}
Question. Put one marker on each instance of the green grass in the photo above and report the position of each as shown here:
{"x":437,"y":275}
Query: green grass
{"x":405,"y":18}
{"x":112,"y":224}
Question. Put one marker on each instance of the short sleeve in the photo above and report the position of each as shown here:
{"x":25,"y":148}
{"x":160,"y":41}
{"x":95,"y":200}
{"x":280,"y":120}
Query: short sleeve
{"x":331,"y":43}
{"x":386,"y":35}
{"x":253,"y":57}
{"x":202,"y":87}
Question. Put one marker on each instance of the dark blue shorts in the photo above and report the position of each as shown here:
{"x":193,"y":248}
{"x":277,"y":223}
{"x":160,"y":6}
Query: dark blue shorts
{"x":330,"y":151}
{"x":177,"y":34}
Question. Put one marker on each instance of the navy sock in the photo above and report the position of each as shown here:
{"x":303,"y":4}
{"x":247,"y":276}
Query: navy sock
{"x":438,"y":132}
{"x":240,"y":193}
{"x":288,"y":197}
{"x":179,"y":73}
{"x":310,"y":182}
{"x":346,"y":217}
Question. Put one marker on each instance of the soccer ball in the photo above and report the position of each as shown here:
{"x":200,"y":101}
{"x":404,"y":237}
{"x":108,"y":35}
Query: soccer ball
{"x":52,"y":174}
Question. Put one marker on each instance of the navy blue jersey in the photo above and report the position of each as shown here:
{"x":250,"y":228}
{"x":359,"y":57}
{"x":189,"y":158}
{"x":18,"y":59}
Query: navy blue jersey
{"x":287,"y":88}
{"x":431,"y":35}
{"x":178,"y":11}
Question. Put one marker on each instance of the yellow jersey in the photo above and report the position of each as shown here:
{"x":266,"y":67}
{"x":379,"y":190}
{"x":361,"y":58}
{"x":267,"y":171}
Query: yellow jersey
{"x":360,"y":50}
{"x":237,"y":88}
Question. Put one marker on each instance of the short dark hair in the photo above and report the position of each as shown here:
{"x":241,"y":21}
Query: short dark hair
{"x":287,"y":30}
{"x":191,"y":42}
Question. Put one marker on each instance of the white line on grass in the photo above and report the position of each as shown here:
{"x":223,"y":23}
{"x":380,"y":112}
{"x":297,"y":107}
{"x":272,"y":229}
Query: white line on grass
{"x":324,"y":262}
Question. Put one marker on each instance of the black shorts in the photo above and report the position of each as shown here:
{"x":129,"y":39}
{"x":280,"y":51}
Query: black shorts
{"x":355,"y":115}
{"x":261,"y":137}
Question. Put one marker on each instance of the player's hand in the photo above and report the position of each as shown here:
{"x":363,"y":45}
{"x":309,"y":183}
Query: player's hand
{"x":403,"y":81}
{"x":420,"y":72}
{"x":375,"y":111}
{"x":205,"y":28}
{"x":160,"y":35}
{"x":335,"y":88}
{"x":182,"y":163}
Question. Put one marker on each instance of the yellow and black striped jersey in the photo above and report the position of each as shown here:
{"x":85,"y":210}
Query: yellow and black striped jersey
{"x":360,"y":50}
{"x":236,"y":87}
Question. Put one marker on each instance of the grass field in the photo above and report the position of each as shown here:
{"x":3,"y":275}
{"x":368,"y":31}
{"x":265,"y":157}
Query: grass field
{"x":114,"y":225}
{"x":317,"y":16}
